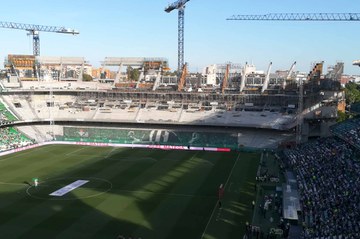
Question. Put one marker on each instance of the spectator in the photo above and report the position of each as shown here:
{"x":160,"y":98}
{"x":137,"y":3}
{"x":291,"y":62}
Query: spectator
{"x":328,"y":175}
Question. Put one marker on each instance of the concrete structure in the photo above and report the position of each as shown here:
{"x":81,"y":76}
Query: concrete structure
{"x":63,"y":68}
{"x":150,"y":68}
{"x":45,"y":68}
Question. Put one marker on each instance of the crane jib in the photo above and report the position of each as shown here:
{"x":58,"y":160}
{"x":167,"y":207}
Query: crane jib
{"x":299,"y":17}
{"x":34,"y":31}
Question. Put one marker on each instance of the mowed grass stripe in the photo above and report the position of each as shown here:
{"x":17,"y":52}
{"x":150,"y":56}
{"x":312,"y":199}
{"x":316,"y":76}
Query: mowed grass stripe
{"x":137,"y":179}
{"x":127,"y":209}
{"x":110,"y":208}
{"x":200,"y":210}
{"x":110,"y":169}
{"x":229,"y":222}
{"x":56,"y":167}
{"x":67,"y":216}
{"x":27,"y":219}
{"x":194,"y":176}
{"x":152,"y":190}
{"x":166,"y":205}
{"x":102,"y":169}
{"x":30,"y":171}
{"x":25,"y":205}
{"x":40,"y":164}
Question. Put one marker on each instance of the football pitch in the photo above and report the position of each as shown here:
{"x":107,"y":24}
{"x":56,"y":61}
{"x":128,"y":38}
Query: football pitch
{"x":137,"y":193}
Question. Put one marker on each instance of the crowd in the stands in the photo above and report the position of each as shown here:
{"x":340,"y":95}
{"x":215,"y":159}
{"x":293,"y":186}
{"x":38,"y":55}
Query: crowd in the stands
{"x":11,"y":139}
{"x":328,"y":175}
{"x":348,"y":131}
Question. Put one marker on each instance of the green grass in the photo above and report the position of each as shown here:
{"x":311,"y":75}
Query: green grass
{"x":272,"y":217}
{"x":143,"y":193}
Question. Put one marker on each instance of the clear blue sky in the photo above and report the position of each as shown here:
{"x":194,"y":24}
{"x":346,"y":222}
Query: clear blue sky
{"x":124,"y":28}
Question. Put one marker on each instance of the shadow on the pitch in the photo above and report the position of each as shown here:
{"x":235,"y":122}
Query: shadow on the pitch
{"x":27,"y":183}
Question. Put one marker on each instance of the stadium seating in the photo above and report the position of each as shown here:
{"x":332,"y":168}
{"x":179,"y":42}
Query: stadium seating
{"x":10,"y":138}
{"x":349,"y":131}
{"x":36,"y":106}
{"x":329,"y":183}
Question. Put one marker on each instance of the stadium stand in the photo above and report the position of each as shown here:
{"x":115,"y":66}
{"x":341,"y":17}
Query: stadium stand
{"x":348,"y":131}
{"x":329,"y":184}
{"x":10,"y":138}
{"x":32,"y":106}
{"x":40,"y":106}
{"x":41,"y":133}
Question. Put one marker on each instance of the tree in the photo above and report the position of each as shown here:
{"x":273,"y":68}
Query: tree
{"x":341,"y":116}
{"x":135,"y":73}
{"x":352,"y":93}
{"x":87,"y":77}
{"x":128,"y":72}
{"x":132,"y":74}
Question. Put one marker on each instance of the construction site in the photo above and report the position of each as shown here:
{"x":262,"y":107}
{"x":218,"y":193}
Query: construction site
{"x":227,"y":88}
{"x":312,"y":98}
{"x":266,"y":141}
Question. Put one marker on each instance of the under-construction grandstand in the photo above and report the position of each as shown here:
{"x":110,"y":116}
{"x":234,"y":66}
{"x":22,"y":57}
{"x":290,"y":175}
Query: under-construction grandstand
{"x":40,"y":68}
{"x":240,"y":93}
{"x":150,"y":71}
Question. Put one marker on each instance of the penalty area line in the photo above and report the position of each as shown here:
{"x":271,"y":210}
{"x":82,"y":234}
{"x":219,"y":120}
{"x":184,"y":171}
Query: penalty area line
{"x":110,"y":153}
{"x":217,"y":202}
{"x":75,"y":151}
{"x":15,"y":184}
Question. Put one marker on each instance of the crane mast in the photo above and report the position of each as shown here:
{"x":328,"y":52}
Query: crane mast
{"x":180,"y":5}
{"x":34,"y":31}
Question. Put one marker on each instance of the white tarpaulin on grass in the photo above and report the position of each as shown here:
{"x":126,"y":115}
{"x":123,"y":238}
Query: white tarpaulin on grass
{"x":64,"y":190}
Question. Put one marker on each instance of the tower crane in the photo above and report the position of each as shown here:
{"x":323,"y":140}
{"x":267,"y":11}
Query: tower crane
{"x":180,"y":5}
{"x":299,"y":17}
{"x":34,"y":31}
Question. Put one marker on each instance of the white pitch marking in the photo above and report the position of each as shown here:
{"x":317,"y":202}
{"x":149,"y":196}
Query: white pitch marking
{"x":108,"y":154}
{"x":75,"y":151}
{"x":216,"y":204}
{"x":17,"y":184}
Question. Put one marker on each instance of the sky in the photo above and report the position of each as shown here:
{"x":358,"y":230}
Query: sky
{"x":141,"y":28}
